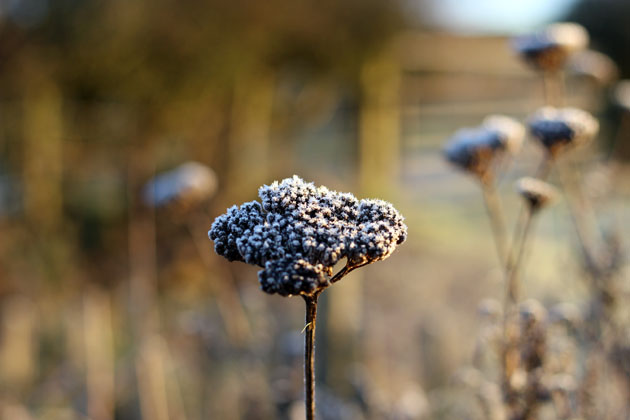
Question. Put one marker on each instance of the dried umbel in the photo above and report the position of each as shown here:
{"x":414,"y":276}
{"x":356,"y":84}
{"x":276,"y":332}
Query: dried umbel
{"x":536,"y":193}
{"x":558,"y":128}
{"x":187,"y":184}
{"x":549,"y":49}
{"x":301,"y":231}
{"x":474,"y":149}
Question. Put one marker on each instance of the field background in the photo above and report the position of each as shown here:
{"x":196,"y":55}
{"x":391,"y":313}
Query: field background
{"x":113,"y":310}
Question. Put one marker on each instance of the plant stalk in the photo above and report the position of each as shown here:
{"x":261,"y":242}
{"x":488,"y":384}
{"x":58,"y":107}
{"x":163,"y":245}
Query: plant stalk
{"x":309,"y":355}
{"x":497,"y":220}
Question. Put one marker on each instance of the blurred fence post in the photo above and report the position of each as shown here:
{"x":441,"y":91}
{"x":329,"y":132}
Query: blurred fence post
{"x":379,"y":123}
{"x":250,"y":123}
{"x":18,"y":352}
{"x":43,"y":158}
{"x":99,"y":353}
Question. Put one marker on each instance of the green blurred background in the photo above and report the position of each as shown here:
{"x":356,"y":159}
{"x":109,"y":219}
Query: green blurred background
{"x":112,"y":310}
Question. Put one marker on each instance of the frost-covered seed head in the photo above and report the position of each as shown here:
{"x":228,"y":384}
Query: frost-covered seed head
{"x":537,"y":193}
{"x":237,"y":223}
{"x":510,"y":131}
{"x":292,"y":275}
{"x":549,"y":49}
{"x":301,"y":231}
{"x":187,"y":184}
{"x":557,"y":128}
{"x":473,"y":149}
{"x":532,"y":311}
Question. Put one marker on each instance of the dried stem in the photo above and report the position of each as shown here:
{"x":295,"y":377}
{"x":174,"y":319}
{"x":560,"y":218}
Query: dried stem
{"x":309,"y":354}
{"x":584,"y":220}
{"x":346,"y":270}
{"x":553,"y":85}
{"x":513,"y":271}
{"x":511,"y":353}
{"x":497,"y":219}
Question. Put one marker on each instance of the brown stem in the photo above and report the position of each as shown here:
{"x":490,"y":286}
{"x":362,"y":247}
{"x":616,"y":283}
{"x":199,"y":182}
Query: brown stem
{"x":553,"y":84}
{"x":584,"y":220}
{"x":497,"y":220}
{"x":309,"y":354}
{"x":346,"y":270}
{"x":513,"y":271}
{"x":511,"y":356}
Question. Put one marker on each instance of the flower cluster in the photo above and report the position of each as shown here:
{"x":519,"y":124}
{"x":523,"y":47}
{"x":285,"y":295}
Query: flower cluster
{"x":474,"y":149}
{"x":556,"y":128}
{"x":550,"y":48}
{"x":299,"y":232}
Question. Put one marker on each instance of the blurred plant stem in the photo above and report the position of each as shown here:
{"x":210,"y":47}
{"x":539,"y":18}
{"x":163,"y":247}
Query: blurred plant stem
{"x":159,"y":396}
{"x":99,"y":353}
{"x":494,"y":210}
{"x":230,"y":307}
{"x":553,"y":85}
{"x":43,"y":155}
{"x":309,"y":354}
{"x":584,"y":219}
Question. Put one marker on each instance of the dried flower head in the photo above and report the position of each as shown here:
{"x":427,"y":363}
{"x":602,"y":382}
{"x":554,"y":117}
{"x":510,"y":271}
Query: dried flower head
{"x":511,"y":132}
{"x":566,"y":313}
{"x":558,"y":128}
{"x":532,"y":311}
{"x":301,"y":231}
{"x":594,"y":64}
{"x":474,"y":149}
{"x":489,"y":309}
{"x":537,"y":193}
{"x":187,"y":184}
{"x":549,"y":49}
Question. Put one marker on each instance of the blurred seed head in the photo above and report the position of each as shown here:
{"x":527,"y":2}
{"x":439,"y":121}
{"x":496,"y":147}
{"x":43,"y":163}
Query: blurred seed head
{"x":474,"y":149}
{"x":594,"y":64}
{"x":566,"y":313}
{"x":532,"y":311}
{"x":511,"y":132}
{"x":558,"y":128}
{"x":489,"y":309}
{"x":536,"y":193}
{"x":184,"y":186}
{"x":621,"y":94}
{"x":549,"y":48}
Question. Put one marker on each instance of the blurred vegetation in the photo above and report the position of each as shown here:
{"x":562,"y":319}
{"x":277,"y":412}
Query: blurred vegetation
{"x":110,"y":309}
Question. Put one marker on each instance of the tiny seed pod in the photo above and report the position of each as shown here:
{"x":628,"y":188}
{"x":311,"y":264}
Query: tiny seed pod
{"x":536,"y":193}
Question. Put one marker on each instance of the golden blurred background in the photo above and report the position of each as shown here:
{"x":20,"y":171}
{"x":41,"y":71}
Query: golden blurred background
{"x":113,"y":309}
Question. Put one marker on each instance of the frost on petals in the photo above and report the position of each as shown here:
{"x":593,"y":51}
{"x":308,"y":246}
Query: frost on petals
{"x":299,"y":232}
